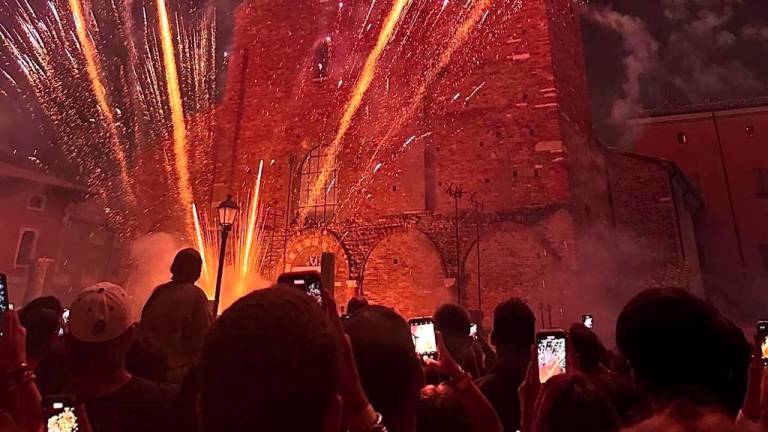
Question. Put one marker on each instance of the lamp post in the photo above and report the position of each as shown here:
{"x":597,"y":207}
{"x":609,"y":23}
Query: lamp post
{"x":456,"y":192}
{"x":227,"y":212}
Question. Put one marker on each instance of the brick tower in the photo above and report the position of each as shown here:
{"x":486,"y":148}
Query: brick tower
{"x":465,"y":173}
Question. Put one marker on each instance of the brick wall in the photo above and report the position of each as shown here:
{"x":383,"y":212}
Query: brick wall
{"x":644,"y":203}
{"x":501,"y":120}
{"x":405,"y":271}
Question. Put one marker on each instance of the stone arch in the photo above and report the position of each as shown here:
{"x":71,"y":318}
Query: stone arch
{"x":303,"y":253}
{"x":514,"y":262}
{"x":405,"y":271}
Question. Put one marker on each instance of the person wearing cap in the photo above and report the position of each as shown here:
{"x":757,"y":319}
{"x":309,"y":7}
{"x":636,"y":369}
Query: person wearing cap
{"x":100,"y":332}
{"x":176,"y":318}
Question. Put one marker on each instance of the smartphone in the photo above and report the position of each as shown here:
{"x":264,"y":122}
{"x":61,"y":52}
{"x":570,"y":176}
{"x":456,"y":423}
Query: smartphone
{"x":587,"y":320}
{"x":423,"y":334}
{"x":4,"y":301}
{"x":308,"y":281}
{"x":473,"y":331}
{"x":550,"y":346}
{"x":64,"y":321}
{"x":60,"y":413}
{"x":762,"y":336}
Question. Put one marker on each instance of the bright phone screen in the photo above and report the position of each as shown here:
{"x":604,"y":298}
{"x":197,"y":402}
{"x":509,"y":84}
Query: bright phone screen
{"x":423,"y":334}
{"x":61,"y":418}
{"x":3,"y":293}
{"x":587,"y":320}
{"x":309,"y":282}
{"x":551,"y":355}
{"x":762,"y":334}
{"x":313,"y":289}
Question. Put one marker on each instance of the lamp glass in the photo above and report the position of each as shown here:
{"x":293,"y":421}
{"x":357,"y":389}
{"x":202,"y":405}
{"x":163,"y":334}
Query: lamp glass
{"x":227,"y":212}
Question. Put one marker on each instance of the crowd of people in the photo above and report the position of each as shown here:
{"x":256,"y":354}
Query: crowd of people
{"x":276,"y":360}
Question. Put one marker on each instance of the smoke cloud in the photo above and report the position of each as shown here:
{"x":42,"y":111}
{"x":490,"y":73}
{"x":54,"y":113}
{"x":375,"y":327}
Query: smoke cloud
{"x":755,"y":33}
{"x":151,"y":258}
{"x":642,"y":57}
{"x":695,"y":51}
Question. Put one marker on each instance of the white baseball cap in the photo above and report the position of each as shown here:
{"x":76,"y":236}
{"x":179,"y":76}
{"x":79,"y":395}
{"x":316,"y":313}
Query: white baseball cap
{"x":100,"y":313}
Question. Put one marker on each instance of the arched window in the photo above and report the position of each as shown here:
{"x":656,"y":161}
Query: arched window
{"x":321,"y":59}
{"x":318,"y":204}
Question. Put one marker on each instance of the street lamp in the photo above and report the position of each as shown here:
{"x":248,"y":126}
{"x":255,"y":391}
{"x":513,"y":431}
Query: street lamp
{"x":227,"y":213}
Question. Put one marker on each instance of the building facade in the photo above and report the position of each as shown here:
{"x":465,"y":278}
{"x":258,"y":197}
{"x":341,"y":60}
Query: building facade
{"x":464,"y":176}
{"x":722,"y":149}
{"x":54,"y":242}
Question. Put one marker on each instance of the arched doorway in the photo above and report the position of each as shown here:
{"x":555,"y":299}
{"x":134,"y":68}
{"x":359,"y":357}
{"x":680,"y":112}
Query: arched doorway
{"x":304,"y":252}
{"x":513,"y":263}
{"x":404,"y":271}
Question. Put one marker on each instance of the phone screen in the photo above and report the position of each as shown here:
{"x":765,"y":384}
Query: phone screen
{"x":309,"y":282}
{"x":473,"y":330}
{"x":762,"y":335}
{"x":551,"y":354}
{"x":587,"y":320}
{"x":423,"y":334}
{"x":3,"y":293}
{"x":60,"y":415}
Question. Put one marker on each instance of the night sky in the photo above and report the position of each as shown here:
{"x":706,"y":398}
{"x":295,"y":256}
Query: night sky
{"x":640,"y":54}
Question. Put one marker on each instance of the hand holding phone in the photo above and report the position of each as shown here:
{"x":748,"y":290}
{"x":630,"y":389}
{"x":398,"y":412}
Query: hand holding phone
{"x":587,"y":320}
{"x":310,"y":282}
{"x":473,"y":331}
{"x":423,"y":334}
{"x":551,"y":353}
{"x":762,"y":337}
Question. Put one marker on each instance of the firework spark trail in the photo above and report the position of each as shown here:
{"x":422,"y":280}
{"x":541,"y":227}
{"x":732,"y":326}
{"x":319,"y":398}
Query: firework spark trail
{"x":202,"y":247}
{"x":353,"y":104}
{"x":94,"y":74}
{"x":247,"y":263}
{"x":459,"y":38}
{"x":177,"y":110}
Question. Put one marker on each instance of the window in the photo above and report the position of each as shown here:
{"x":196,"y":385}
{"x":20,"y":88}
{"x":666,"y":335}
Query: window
{"x":318,"y":204}
{"x":36,"y":202}
{"x":682,"y":138}
{"x":762,"y":183}
{"x":321,"y":59}
{"x":25,"y":251}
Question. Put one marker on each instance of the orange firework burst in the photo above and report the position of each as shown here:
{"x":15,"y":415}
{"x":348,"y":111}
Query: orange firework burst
{"x":246,"y":256}
{"x":177,"y":109}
